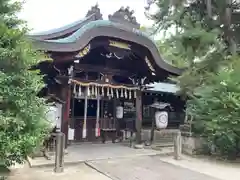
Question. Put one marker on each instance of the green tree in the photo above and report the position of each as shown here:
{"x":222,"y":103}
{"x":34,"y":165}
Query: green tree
{"x":170,"y":54}
{"x":205,"y":35}
{"x":22,"y":113}
{"x":217,"y":110}
{"x":166,"y":49}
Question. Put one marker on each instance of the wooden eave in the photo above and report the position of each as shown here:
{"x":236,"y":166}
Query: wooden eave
{"x":119,"y":32}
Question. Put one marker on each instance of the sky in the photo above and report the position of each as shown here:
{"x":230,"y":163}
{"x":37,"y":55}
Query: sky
{"x":43,"y":15}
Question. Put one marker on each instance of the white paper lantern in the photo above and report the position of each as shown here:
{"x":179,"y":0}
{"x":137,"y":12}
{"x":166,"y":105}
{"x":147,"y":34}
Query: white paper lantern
{"x":161,"y":119}
{"x":119,"y":112}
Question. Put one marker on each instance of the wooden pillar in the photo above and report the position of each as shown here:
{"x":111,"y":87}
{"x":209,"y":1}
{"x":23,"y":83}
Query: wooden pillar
{"x":138,"y":121}
{"x":152,"y":113}
{"x":66,"y":95}
{"x":84,"y":133}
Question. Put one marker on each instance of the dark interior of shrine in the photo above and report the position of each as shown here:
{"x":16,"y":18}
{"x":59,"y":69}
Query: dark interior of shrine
{"x":124,"y":65}
{"x":123,"y":62}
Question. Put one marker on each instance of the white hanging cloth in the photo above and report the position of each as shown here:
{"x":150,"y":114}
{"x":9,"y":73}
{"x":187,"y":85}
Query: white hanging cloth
{"x":122,"y":95}
{"x":112,"y":92}
{"x":135,"y":94}
{"x":130,"y":94}
{"x":74,"y":89}
{"x":79,"y":91}
{"x":117,"y":93}
{"x":125,"y":94}
{"x":88,"y":92}
{"x":108,"y":92}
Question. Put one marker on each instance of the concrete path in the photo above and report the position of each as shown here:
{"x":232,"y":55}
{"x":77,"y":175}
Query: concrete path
{"x":218,"y":169}
{"x":118,"y":162}
{"x":136,"y":168}
{"x":78,"y":172}
{"x":145,"y":168}
{"x":87,"y":152}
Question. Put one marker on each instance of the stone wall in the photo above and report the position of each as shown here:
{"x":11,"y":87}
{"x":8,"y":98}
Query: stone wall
{"x":190,"y":145}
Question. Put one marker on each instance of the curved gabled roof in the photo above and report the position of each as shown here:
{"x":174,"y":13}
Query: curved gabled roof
{"x":58,"y":32}
{"x":92,"y":15}
{"x":116,"y":27}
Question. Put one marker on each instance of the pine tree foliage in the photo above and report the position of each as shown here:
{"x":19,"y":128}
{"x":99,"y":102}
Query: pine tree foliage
{"x":217,"y":109}
{"x":206,"y":39}
{"x":22,"y":113}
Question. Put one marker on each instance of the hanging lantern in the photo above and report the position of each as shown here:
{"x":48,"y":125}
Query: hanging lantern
{"x":119,"y":112}
{"x":161,"y":119}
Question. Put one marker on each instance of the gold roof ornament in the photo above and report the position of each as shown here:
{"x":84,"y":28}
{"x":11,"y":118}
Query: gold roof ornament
{"x":120,"y":45}
{"x":84,"y":51}
{"x":47,"y":56}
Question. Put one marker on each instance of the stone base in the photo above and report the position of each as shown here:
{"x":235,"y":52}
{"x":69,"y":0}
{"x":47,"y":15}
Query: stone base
{"x":192,"y":145}
{"x":138,"y":146}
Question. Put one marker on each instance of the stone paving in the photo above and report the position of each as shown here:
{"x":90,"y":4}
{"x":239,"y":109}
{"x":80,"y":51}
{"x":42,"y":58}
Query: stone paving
{"x":145,"y":168}
{"x":88,"y":152}
{"x":78,"y":172}
{"x":219,"y":169}
{"x":118,"y":162}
